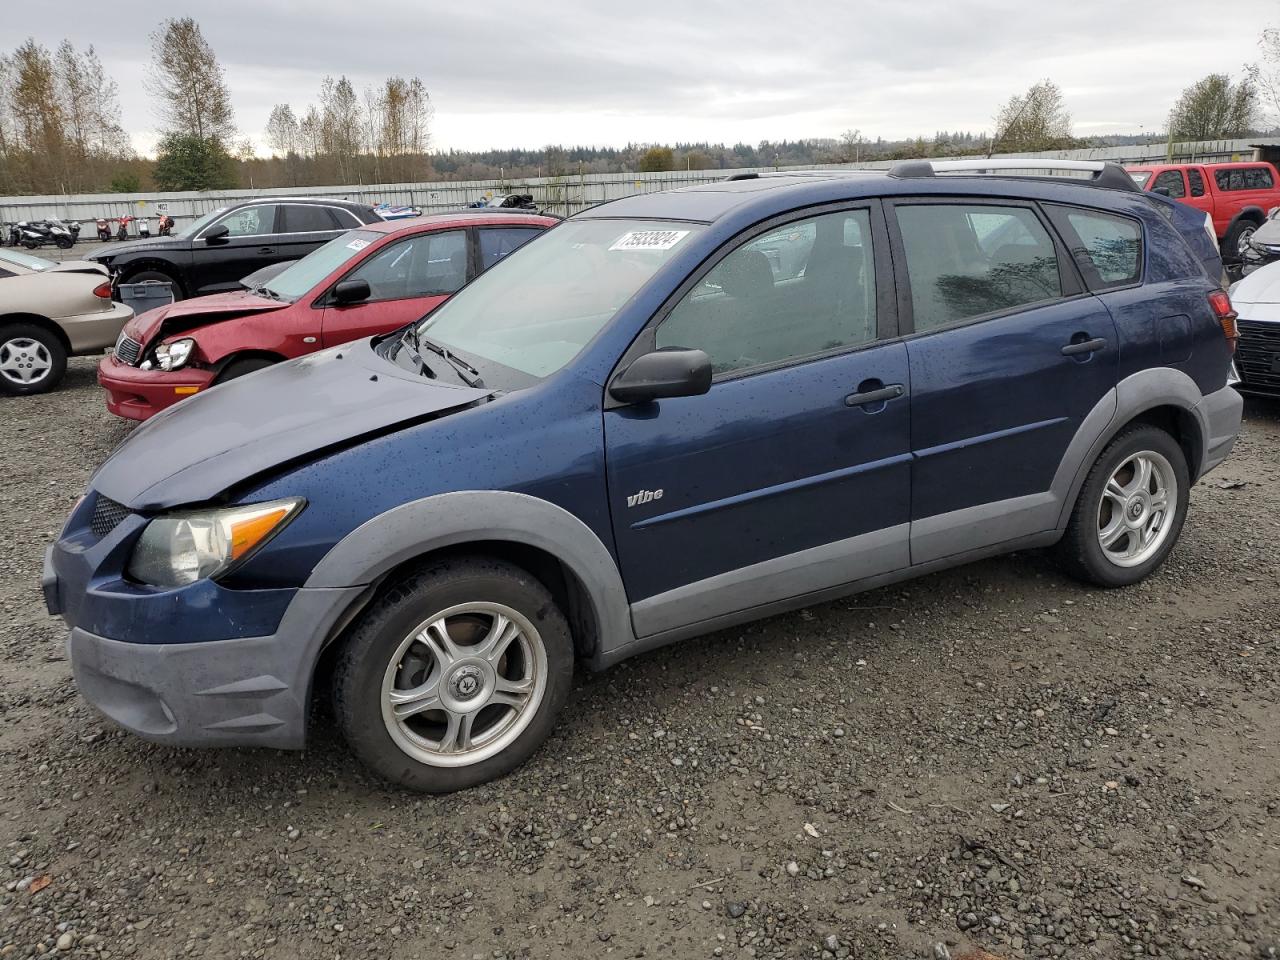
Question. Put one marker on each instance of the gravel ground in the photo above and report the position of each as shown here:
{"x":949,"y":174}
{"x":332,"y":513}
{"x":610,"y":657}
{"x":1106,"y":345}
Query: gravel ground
{"x":993,"y":758}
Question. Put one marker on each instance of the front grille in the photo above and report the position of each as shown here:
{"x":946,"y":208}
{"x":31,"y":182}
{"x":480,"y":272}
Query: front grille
{"x":107,"y":515}
{"x":1258,"y":355}
{"x":128,"y":351}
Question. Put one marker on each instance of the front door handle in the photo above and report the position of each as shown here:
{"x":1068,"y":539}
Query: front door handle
{"x":1075,"y":349}
{"x":266,"y":249}
{"x":878,"y":395}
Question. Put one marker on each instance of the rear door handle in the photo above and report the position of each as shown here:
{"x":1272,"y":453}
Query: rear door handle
{"x":892,"y":392}
{"x":1085,"y":346}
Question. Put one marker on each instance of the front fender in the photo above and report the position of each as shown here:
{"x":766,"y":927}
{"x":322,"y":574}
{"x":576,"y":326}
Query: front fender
{"x":413,"y":529}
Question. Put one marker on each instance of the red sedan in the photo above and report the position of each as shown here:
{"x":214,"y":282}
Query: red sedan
{"x":369,"y":281}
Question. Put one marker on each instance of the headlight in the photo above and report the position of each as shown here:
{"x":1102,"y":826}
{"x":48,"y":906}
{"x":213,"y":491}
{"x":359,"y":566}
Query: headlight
{"x":171,"y":356}
{"x":181,"y":548}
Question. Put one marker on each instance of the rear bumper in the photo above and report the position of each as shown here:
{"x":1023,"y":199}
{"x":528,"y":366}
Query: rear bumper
{"x":251,"y":691}
{"x":137,"y":394}
{"x":92,"y":332}
{"x":1220,"y":411}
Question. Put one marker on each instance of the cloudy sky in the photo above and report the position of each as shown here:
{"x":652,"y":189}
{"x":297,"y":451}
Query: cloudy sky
{"x":502,"y":73}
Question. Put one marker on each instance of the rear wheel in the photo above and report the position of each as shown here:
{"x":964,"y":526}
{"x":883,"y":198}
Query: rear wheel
{"x":1235,"y":245}
{"x":156,"y":276}
{"x":1130,"y":510}
{"x":455,"y":676}
{"x":32,"y":360}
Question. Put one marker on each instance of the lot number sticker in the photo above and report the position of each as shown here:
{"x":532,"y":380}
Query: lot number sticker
{"x":357,"y":244}
{"x":649,"y":240}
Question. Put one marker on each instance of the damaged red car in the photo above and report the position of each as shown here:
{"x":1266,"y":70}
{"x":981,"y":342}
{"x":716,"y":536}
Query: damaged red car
{"x":369,"y":281}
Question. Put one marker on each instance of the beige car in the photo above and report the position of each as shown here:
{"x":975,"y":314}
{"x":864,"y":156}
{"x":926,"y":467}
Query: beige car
{"x":48,"y":312}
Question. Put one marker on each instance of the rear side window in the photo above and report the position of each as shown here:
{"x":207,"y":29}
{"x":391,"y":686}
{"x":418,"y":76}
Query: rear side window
{"x":497,"y":242}
{"x":1172,"y":181}
{"x":965,"y":261}
{"x":1111,"y":245}
{"x":1197,"y":183}
{"x":304,"y":218}
{"x":346,"y":219}
{"x":1244,"y":178}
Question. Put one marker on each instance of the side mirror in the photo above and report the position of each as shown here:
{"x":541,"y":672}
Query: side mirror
{"x":217,"y":234}
{"x":352,"y":291}
{"x":1163,"y":191}
{"x":674,"y":372}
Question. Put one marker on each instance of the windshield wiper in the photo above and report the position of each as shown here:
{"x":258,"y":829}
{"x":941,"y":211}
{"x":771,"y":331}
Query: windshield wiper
{"x":467,"y":373}
{"x":409,"y":342}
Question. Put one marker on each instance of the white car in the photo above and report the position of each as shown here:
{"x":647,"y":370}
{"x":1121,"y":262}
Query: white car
{"x":49,"y":312}
{"x":1256,"y":299}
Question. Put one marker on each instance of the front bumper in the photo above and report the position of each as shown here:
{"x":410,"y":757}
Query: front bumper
{"x":136,"y":394}
{"x":250,"y":691}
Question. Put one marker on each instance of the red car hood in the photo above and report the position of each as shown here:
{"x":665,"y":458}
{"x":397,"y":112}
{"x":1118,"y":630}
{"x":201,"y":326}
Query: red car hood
{"x":189,"y":314}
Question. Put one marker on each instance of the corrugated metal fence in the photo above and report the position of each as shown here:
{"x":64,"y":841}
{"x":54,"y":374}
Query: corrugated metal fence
{"x":564,"y":195}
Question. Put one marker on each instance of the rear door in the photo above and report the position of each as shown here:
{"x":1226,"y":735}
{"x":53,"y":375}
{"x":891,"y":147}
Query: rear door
{"x":1199,"y":194}
{"x":407,"y":279}
{"x":302,"y":227}
{"x":791,"y":475}
{"x":1008,"y":353}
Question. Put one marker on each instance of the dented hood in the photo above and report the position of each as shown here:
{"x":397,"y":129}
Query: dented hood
{"x":293,"y":411}
{"x":189,"y":314}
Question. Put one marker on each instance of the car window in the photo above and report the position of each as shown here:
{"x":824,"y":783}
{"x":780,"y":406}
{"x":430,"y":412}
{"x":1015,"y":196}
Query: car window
{"x":306,"y":218}
{"x":1258,"y":178}
{"x":346,"y":219}
{"x":1197,"y":183}
{"x":794,"y":292}
{"x":430,"y":264}
{"x":1172,"y":181}
{"x":250,"y":221}
{"x":1112,"y":244}
{"x":497,"y":242}
{"x":1140,"y":177}
{"x":965,"y":261}
{"x":299,"y":278}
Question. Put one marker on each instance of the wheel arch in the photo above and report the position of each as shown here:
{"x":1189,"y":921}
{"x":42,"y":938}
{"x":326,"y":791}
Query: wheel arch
{"x":225,"y":360}
{"x":134,"y":267}
{"x":43,"y":323}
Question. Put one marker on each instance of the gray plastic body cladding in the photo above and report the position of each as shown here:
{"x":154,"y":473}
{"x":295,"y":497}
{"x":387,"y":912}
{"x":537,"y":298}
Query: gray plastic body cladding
{"x":421,"y":526}
{"x":252,"y":691}
{"x":1221,"y":412}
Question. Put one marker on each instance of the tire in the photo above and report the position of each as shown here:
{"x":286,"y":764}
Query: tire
{"x":1234,"y":243}
{"x":157,"y":276}
{"x":243,"y":366}
{"x":396,"y":646}
{"x":32,"y":360}
{"x":1141,"y":533}
{"x":63,"y":243}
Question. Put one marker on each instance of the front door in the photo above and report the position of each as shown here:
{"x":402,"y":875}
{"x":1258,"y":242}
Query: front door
{"x":792,"y":474}
{"x":221,"y":263}
{"x":1008,"y":354}
{"x":407,"y":280}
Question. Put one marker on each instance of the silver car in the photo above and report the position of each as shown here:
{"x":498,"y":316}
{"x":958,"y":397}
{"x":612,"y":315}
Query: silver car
{"x":49,"y":312}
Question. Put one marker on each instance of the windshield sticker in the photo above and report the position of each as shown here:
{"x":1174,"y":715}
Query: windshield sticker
{"x":649,"y":240}
{"x":357,"y":244}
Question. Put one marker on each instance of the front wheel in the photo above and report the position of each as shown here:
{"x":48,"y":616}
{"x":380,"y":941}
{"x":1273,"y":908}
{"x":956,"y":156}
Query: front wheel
{"x":455,"y":676}
{"x":157,"y":276}
{"x":1235,"y":245}
{"x":1130,"y":510}
{"x":63,"y":243}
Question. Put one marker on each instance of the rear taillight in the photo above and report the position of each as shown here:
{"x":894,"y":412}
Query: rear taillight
{"x":102,"y":290}
{"x":1226,"y":314}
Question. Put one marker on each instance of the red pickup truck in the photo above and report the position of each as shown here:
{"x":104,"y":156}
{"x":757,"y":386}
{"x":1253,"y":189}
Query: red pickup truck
{"x":1237,"y":196}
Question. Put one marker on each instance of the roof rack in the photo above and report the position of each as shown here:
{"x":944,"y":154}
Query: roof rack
{"x":1109,"y":175}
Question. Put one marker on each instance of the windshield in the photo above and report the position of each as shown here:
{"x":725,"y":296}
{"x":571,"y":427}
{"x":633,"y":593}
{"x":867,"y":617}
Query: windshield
{"x":538,"y":307}
{"x":1140,"y":177}
{"x":26,"y":260}
{"x":192,"y":229}
{"x":295,"y":281}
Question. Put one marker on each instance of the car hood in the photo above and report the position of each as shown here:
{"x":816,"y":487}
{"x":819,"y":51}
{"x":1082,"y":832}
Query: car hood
{"x":122,"y":247}
{"x":78,"y":266}
{"x":287,"y":413}
{"x":1262,"y":286}
{"x":189,"y":314}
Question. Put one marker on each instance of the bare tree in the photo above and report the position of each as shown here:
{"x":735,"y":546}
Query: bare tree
{"x":189,"y":83}
{"x":1214,"y":108}
{"x":1036,"y":120}
{"x":282,"y":130}
{"x":341,"y":126}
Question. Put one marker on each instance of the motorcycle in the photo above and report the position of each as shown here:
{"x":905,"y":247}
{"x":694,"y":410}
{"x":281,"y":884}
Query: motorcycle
{"x":144,"y":228}
{"x":104,"y":229}
{"x":72,"y":227}
{"x":15,"y":235}
{"x":165,"y":226}
{"x":123,"y":232}
{"x":36,"y":233}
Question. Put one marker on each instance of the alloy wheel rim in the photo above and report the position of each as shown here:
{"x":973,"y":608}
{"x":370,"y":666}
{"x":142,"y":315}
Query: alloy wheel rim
{"x":1137,"y":509}
{"x":1242,"y":245}
{"x":464,"y":684}
{"x":24,"y":361}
